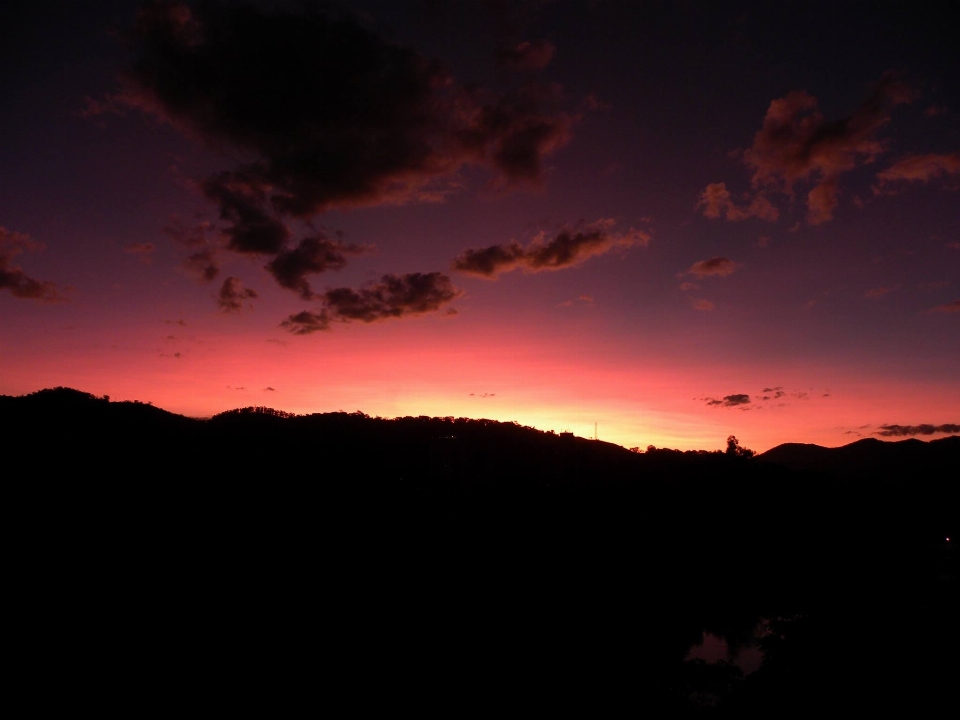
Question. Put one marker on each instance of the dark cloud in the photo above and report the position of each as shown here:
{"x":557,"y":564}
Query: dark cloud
{"x":490,"y":261}
{"x":243,"y":201}
{"x":313,"y":255}
{"x":395,"y":296}
{"x":570,"y":247}
{"x":798,"y":144}
{"x":269,"y":389}
{"x":718,"y":266}
{"x":13,"y":278}
{"x":233,"y":294}
{"x":935,"y":110}
{"x":906,"y":430}
{"x":917,"y":168}
{"x":527,"y":56}
{"x":716,"y":202}
{"x":950,"y":307}
{"x":326,"y":113}
{"x":728,"y":400}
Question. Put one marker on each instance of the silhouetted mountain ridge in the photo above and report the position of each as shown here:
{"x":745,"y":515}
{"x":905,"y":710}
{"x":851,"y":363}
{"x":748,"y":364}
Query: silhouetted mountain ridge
{"x":471,"y":463}
{"x":853,"y":576}
{"x":869,"y":457}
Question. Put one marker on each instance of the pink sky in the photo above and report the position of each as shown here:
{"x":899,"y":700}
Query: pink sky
{"x":676,"y":240}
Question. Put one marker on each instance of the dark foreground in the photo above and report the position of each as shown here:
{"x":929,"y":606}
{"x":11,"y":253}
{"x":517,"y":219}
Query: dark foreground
{"x":338,"y":547}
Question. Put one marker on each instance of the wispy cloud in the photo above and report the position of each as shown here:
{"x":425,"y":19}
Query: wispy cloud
{"x":139,"y":248}
{"x":878,"y":292}
{"x":773,"y":393}
{"x":233,"y":294}
{"x":568,"y":248}
{"x":796,"y":143}
{"x":12,"y":276}
{"x":951,"y":307}
{"x":728,"y":400}
{"x":204,"y":241}
{"x":717,"y":202}
{"x":917,"y":168}
{"x":908,"y":430}
{"x":203,"y":265}
{"x":715,"y":266}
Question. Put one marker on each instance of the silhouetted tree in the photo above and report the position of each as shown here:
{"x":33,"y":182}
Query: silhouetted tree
{"x":734,"y":449}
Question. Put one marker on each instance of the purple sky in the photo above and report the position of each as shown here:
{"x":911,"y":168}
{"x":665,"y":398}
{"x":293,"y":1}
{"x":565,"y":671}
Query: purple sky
{"x":678,"y":220}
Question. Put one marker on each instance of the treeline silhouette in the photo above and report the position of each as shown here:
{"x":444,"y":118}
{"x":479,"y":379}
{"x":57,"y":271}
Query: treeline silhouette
{"x":477,"y":464}
{"x":833,"y":561}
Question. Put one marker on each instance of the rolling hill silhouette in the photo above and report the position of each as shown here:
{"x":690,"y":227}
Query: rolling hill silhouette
{"x":870,"y":457}
{"x":475,"y":464}
{"x":833,"y":561}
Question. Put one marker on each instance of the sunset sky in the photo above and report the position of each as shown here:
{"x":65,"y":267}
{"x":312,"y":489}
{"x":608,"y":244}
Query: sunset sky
{"x":679,"y":220}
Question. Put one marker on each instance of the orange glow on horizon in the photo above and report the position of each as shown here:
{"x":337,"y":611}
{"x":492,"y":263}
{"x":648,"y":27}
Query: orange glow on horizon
{"x":401,"y":370}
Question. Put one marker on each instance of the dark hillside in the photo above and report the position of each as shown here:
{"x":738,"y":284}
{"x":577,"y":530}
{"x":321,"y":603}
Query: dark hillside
{"x":846,"y":582}
{"x":868,"y":457}
{"x":60,"y":417}
{"x":464,"y":463}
